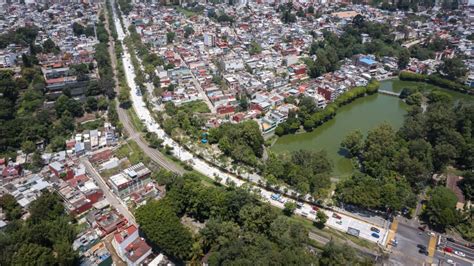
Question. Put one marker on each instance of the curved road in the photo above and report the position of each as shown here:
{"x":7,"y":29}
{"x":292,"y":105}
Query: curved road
{"x":125,"y":119}
{"x":343,"y":223}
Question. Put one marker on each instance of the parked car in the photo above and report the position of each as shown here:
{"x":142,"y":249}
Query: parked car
{"x":375,"y":235}
{"x":459,"y":253}
{"x":375,"y":229}
{"x":335,"y":215}
{"x":450,"y":239}
{"x":422,"y":228}
{"x":339,"y":222}
{"x":448,"y":249}
{"x":423,"y":251}
{"x":450,"y":261}
{"x":394,"y":242}
{"x":315,"y":208}
{"x":312,"y":212}
{"x":304,"y":214}
{"x":420,"y":246}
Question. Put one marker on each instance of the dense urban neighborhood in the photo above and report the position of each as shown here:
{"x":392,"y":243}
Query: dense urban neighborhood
{"x":236,"y":132}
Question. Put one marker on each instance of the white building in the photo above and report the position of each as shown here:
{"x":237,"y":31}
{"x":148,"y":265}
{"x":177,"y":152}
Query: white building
{"x":130,"y":247}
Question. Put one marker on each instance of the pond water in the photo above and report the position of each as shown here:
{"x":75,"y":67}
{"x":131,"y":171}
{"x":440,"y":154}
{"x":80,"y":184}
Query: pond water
{"x":363,"y":114}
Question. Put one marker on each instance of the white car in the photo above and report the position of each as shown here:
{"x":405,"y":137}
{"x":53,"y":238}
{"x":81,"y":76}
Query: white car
{"x":451,"y":262}
{"x":459,"y":253}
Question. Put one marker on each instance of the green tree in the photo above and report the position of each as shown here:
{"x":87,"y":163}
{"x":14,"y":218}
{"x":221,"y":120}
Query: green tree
{"x":290,"y":208}
{"x":440,"y":209}
{"x":379,"y":151}
{"x":33,"y":254}
{"x":353,"y":143}
{"x":403,"y":58}
{"x":91,"y":104}
{"x":49,"y":46}
{"x":170,"y":37}
{"x":321,"y":219}
{"x":11,"y":207}
{"x":338,"y":255}
{"x":188,"y":31}
{"x":161,"y":226}
{"x":254,"y":48}
{"x":415,"y":99}
{"x":78,"y":29}
{"x":453,"y":68}
{"x":28,"y":147}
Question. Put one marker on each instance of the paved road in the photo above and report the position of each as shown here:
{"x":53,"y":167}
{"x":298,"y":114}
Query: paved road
{"x":111,"y":197}
{"x":154,"y":154}
{"x":407,"y":252}
{"x":456,"y":246}
{"x":205,"y":168}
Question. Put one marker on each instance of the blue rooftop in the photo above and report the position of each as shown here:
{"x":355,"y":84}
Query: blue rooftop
{"x":367,"y":61}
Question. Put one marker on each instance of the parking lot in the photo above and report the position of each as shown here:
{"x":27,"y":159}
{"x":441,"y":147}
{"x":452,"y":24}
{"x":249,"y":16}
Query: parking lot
{"x":342,"y":224}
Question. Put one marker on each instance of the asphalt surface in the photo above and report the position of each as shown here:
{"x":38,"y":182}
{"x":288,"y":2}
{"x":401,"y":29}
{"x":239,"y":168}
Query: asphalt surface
{"x":467,"y":259}
{"x":125,"y":119}
{"x":205,"y":168}
{"x":407,"y":252}
{"x":113,"y":200}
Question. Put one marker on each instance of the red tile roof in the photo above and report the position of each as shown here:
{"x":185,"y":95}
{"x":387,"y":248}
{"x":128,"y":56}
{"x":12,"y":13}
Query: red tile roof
{"x":137,"y":249}
{"x":124,"y":233}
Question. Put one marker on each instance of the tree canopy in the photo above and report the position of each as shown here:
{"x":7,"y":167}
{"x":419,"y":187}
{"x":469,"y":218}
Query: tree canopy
{"x":45,"y":238}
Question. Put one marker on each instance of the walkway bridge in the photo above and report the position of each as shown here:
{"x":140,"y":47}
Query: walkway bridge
{"x":391,"y":93}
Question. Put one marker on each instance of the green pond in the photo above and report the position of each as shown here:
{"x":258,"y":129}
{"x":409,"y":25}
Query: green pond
{"x":363,"y":114}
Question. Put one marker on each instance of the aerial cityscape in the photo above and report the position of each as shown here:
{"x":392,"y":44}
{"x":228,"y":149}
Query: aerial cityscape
{"x":236,"y":132}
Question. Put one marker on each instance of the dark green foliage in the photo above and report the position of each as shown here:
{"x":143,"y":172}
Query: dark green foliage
{"x":290,"y":208}
{"x":453,"y":68}
{"x":311,"y":117}
{"x":170,"y":37}
{"x":440,"y":209}
{"x":186,"y":117}
{"x":11,"y":208}
{"x":467,"y":185}
{"x":286,"y":13}
{"x":306,"y":171}
{"x":125,"y":6}
{"x":255,"y":48}
{"x":161,"y":226}
{"x":188,"y":31}
{"x":353,"y":143}
{"x":45,"y":238}
{"x":435,"y":80}
{"x":386,"y":193}
{"x":427,"y":142}
{"x":239,"y":228}
{"x":49,"y":46}
{"x":23,"y":36}
{"x":335,"y":48}
{"x":243,"y":141}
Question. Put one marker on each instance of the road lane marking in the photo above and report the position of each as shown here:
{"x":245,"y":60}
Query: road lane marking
{"x":392,"y":232}
{"x":431,"y":248}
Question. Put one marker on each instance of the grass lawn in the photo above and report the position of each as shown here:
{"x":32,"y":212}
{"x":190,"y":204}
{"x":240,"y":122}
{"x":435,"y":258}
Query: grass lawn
{"x":132,"y":151}
{"x":110,"y":172}
{"x":188,"y":13}
{"x":136,"y":122}
{"x":91,"y":124}
{"x":195,"y":107}
{"x":398,"y":85}
{"x":205,"y":180}
{"x":331,"y":233}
